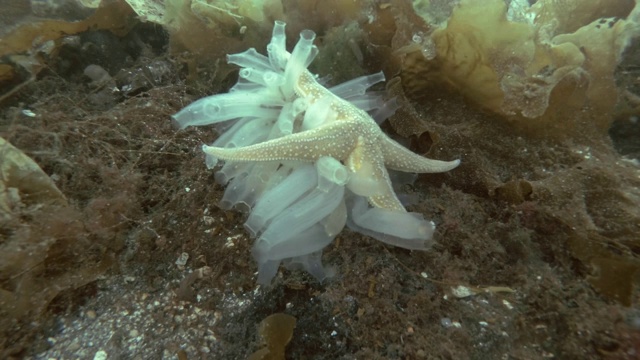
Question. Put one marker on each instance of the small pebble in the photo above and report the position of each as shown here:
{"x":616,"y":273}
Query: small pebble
{"x":91,"y":314}
{"x":100,"y":355}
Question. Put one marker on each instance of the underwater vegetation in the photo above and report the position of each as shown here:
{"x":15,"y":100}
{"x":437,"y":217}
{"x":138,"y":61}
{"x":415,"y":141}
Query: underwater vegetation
{"x":532,"y":65}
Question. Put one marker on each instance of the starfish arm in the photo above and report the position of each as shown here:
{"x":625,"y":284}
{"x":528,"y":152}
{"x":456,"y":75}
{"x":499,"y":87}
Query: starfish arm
{"x":370,"y":178}
{"x":387,"y":200}
{"x":397,"y":157}
{"x":336,"y":139}
{"x":308,"y":87}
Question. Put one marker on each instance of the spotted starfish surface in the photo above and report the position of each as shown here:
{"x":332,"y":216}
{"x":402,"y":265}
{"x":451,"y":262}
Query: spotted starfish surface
{"x":350,"y":135}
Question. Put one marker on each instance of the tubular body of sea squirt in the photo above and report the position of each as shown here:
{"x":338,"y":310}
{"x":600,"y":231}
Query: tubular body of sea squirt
{"x":284,"y":156}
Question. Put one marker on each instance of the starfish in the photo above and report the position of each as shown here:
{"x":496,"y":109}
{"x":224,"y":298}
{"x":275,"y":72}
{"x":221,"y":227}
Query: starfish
{"x":352,"y":137}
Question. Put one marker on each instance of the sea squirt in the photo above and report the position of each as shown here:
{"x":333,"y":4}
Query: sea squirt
{"x":304,"y":160}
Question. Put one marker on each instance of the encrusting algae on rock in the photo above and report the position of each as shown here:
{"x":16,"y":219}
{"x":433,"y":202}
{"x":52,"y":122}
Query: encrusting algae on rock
{"x":306,"y":160}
